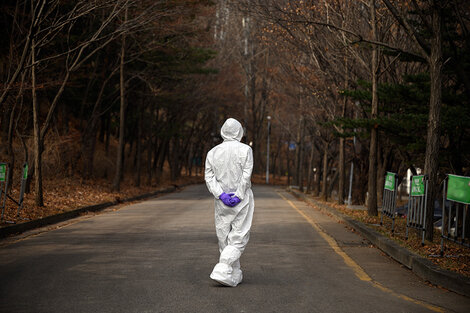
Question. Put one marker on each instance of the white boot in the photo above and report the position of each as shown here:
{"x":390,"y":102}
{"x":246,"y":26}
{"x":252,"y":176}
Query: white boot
{"x":223,"y":271}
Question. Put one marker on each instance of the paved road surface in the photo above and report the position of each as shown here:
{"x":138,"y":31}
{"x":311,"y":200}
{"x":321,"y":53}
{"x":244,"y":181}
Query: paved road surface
{"x":156,"y":256}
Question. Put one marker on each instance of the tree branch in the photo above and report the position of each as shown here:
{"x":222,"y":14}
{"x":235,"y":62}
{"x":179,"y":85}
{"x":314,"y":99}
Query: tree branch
{"x":410,"y":30}
{"x":360,"y":37}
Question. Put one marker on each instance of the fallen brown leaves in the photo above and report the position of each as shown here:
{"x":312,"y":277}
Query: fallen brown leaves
{"x":66,"y":194}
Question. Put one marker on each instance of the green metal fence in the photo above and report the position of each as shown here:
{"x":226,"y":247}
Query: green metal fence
{"x":418,"y":198}
{"x":455,"y":217}
{"x":389,"y":199}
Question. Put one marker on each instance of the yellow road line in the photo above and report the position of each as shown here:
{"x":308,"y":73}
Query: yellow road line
{"x":358,"y":271}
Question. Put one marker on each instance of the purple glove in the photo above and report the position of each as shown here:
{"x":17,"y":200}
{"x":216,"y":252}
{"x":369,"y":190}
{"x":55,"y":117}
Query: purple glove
{"x":226,"y":198}
{"x":235,"y":200}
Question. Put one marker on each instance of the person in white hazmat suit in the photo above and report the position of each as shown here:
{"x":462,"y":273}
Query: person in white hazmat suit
{"x":228,"y":178}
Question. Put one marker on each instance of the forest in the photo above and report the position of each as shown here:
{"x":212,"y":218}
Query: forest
{"x":133,"y":92}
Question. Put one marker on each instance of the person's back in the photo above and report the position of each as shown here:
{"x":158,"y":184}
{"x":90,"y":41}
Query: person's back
{"x":230,"y":158}
{"x":228,"y":178}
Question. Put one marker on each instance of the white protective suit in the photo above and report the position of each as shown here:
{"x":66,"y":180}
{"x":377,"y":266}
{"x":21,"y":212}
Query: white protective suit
{"x":228,"y":169}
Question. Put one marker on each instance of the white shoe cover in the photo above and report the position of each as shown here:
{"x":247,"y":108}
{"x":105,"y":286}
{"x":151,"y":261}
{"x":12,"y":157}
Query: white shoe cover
{"x":225,"y":275}
{"x":230,"y":255}
{"x":237,"y":275}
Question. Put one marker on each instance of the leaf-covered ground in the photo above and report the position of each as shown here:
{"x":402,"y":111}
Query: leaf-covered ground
{"x":62,"y":195}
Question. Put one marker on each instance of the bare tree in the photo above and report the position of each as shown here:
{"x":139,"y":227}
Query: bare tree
{"x":76,"y":54}
{"x":372,"y":181}
{"x":122,"y":114}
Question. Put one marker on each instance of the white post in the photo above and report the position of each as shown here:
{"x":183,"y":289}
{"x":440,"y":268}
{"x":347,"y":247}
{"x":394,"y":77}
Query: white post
{"x":350,"y":183}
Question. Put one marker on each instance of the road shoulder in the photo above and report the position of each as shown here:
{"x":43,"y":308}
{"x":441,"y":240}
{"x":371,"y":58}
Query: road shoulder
{"x":417,"y":264}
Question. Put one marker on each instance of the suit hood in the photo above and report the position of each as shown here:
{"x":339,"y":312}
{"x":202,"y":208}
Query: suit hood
{"x":231,"y":130}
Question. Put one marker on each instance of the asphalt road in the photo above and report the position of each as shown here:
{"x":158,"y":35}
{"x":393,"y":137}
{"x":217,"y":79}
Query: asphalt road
{"x":156,"y":256}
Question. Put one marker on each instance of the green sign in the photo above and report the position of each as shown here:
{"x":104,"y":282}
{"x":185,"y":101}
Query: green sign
{"x":417,"y":186}
{"x":25,"y":171}
{"x":458,"y":189}
{"x":3,"y":170}
{"x":390,"y":181}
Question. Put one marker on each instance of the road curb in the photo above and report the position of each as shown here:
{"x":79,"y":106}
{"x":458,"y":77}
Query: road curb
{"x":61,"y":217}
{"x":422,"y":267}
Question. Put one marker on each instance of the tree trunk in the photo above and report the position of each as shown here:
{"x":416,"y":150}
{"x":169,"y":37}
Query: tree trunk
{"x":4,"y":127}
{"x":122,"y":115}
{"x":12,"y":129}
{"x":102,"y":131}
{"x":89,"y":135}
{"x":316,"y":178}
{"x":381,"y":169}
{"x":297,"y":151}
{"x":332,"y":183}
{"x":39,"y":200}
{"x":10,"y":151}
{"x":173,"y":158}
{"x":160,"y":158}
{"x":360,"y":176}
{"x":431,"y":163}
{"x":324,"y":187}
{"x":341,"y":172}
{"x":301,"y":161}
{"x":342,"y":167}
{"x":88,"y":147}
{"x":149,"y":160}
{"x":276,"y":157}
{"x":310,"y":170}
{"x":108,"y":133}
{"x":372,"y":181}
{"x":289,"y":172}
{"x":139,"y":145}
